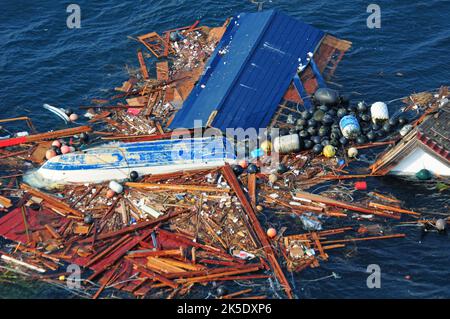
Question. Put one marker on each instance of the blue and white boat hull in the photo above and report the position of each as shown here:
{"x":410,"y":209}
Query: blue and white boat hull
{"x":115,"y":161}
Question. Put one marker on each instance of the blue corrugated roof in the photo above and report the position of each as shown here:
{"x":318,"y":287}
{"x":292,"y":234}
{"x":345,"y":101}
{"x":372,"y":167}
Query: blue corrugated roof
{"x":249,"y":72}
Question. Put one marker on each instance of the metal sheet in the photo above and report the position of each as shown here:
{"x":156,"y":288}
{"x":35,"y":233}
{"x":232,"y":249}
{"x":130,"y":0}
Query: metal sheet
{"x":249,"y":72}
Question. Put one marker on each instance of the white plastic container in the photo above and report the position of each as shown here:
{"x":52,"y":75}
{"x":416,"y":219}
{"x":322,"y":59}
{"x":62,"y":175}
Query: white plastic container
{"x":286,"y":144}
{"x":349,"y":127}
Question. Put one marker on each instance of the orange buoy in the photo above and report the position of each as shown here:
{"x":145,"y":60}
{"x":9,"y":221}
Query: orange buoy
{"x":271,"y":232}
{"x":56,"y":143}
{"x":243,"y":163}
{"x":362,"y":230}
{"x":110,"y":193}
{"x":50,"y":154}
{"x":73,"y":117}
{"x":65,"y":149}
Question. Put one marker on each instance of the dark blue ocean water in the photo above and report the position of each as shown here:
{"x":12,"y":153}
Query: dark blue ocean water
{"x":42,"y":61}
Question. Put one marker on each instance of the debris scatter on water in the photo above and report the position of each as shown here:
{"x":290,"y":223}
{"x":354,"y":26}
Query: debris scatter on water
{"x":144,"y":204}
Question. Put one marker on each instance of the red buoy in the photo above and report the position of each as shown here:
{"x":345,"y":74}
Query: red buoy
{"x":361,"y":186}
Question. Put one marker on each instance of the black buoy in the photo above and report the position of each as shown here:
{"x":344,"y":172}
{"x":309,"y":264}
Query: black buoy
{"x":371,"y":136}
{"x":361,"y":107}
{"x":316,"y":139}
{"x":332,"y":112}
{"x":282,"y":168}
{"x":334,"y":136}
{"x":402,"y":120}
{"x":327,"y":119}
{"x":58,"y":151}
{"x":324,"y":108}
{"x":334,"y":142}
{"x":376,"y":127}
{"x":307,"y":144}
{"x":341,"y":112}
{"x":324,"y":131}
{"x":318,"y":115}
{"x":365,"y":117}
{"x":68,"y":111}
{"x":303,"y":134}
{"x":317,"y":149}
{"x":365,"y":128}
{"x":88,"y":219}
{"x":380,"y":133}
{"x":393,"y":121}
{"x":343,"y":141}
{"x":335,"y":127}
{"x":294,"y":131}
{"x":252,"y":169}
{"x":306,"y":115}
{"x":134,"y":176}
{"x":312,"y":130}
{"x":312,"y":122}
{"x":387,"y":127}
{"x":351,"y":108}
{"x":361,"y":139}
{"x":237,"y":169}
{"x":302,"y":122}
{"x":325,"y":142}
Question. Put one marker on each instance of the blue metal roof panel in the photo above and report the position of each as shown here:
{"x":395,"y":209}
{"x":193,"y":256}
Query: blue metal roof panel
{"x":249,"y":72}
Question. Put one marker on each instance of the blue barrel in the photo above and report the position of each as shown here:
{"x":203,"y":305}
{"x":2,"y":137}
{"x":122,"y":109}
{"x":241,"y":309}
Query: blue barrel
{"x":350,"y":127}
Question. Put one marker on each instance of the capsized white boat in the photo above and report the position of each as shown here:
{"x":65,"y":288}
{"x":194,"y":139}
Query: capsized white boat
{"x":115,"y":161}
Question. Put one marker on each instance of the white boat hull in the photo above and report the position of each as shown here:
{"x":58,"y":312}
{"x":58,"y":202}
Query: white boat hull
{"x":117,"y":161}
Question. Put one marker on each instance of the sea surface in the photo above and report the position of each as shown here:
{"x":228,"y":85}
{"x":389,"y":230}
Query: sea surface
{"x":43,"y":61}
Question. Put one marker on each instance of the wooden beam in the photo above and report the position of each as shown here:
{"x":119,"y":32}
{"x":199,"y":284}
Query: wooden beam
{"x":173,"y":187}
{"x":234,"y":184}
{"x":144,"y":70}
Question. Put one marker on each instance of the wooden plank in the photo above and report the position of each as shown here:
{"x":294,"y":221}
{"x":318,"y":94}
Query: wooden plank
{"x":52,"y":201}
{"x":162,"y":71}
{"x":252,"y":188}
{"x":107,"y":280}
{"x":393,"y":209}
{"x":43,"y":136}
{"x":142,"y":65}
{"x":322,"y":254}
{"x":173,"y":187}
{"x":332,"y":202}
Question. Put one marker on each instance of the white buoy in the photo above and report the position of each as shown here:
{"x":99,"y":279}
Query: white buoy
{"x":352,"y":152}
{"x":379,"y":112}
{"x":441,"y":224}
{"x":405,"y":129}
{"x":116,"y":187}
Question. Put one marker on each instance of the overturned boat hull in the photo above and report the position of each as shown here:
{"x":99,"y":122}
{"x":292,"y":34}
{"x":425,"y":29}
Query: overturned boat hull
{"x":117,"y":160}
